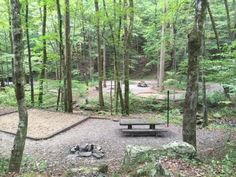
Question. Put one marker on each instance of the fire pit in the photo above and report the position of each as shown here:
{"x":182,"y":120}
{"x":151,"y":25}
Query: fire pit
{"x":87,"y":150}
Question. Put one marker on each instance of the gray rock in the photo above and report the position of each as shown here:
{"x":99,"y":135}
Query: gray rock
{"x":132,"y":151}
{"x":180,"y":148}
{"x":98,"y":155}
{"x":84,"y":154}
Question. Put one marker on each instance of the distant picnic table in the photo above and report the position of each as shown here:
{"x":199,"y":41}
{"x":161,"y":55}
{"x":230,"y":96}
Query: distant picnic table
{"x":152,"y":123}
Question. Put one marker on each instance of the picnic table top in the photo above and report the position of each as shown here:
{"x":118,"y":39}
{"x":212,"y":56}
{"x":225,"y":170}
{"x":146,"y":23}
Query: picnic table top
{"x":141,"y":122}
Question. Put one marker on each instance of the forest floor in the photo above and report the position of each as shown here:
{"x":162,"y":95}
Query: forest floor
{"x":104,"y":133}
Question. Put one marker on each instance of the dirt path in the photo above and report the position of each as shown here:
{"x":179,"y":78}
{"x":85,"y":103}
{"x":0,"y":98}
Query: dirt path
{"x":105,"y":133}
{"x":153,"y":91}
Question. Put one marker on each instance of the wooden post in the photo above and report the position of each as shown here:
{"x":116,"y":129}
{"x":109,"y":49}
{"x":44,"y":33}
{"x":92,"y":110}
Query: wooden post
{"x":168,"y":107}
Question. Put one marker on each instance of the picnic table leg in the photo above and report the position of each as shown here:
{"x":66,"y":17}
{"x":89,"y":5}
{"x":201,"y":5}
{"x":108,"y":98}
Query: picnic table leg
{"x":129,"y":126}
{"x":152,"y":126}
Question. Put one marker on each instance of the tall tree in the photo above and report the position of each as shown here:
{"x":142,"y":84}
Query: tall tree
{"x":194,"y":51}
{"x":234,"y":6}
{"x":61,"y":51}
{"x":29,"y":51}
{"x":213,"y":25}
{"x":43,"y":70}
{"x":128,"y":29}
{"x":68,"y":86}
{"x":100,"y":59}
{"x":163,"y":50}
{"x":19,"y":141}
{"x":228,"y":19}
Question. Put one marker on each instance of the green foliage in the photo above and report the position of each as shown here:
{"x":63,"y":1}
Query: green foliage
{"x":3,"y":165}
{"x":29,"y":164}
{"x":226,"y":166}
{"x":137,"y":104}
{"x":215,"y":98}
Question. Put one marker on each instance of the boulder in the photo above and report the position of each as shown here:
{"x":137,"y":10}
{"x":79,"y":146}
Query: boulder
{"x":132,"y":151}
{"x":146,"y":161}
{"x":180,"y":148}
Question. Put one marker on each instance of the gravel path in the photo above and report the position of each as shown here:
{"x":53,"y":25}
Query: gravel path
{"x":105,"y":133}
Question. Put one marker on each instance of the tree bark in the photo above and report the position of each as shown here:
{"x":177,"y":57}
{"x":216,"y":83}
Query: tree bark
{"x":100,"y":60}
{"x":43,"y":70}
{"x":29,"y":52}
{"x":19,"y":141}
{"x":68,"y":87}
{"x":194,"y":50}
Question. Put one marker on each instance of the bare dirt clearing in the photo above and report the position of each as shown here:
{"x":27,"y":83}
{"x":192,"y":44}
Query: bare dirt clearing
{"x":41,"y":124}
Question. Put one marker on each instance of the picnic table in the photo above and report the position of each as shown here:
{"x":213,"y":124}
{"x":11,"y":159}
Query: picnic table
{"x":152,"y":130}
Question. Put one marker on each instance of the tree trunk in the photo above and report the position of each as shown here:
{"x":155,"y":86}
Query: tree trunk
{"x":127,"y":45}
{"x":213,"y":25}
{"x":163,"y":51}
{"x":228,"y":19}
{"x":43,"y":70}
{"x":194,"y":50}
{"x":100,"y":62}
{"x":104,"y":64}
{"x":19,"y":141}
{"x":68,"y":87}
{"x":29,"y":52}
{"x":61,"y":52}
{"x":234,"y":6}
{"x":10,"y":37}
{"x":205,"y":116}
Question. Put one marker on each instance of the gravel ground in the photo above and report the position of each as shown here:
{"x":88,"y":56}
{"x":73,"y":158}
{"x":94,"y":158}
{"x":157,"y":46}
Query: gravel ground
{"x":41,"y":123}
{"x":105,"y":133}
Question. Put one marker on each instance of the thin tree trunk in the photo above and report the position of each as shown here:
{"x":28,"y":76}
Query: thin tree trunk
{"x":10,"y":36}
{"x":61,"y":53}
{"x":127,"y":45}
{"x":234,"y":6}
{"x":194,"y":50}
{"x":68,"y":87}
{"x":213,"y":25}
{"x":205,"y":116}
{"x":43,"y":70}
{"x":100,"y":62}
{"x":29,"y":53}
{"x":163,"y":51}
{"x":228,"y":19}
{"x":104,"y":64}
{"x":19,"y":141}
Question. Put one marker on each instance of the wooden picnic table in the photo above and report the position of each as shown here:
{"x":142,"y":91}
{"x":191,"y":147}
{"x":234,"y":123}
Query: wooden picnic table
{"x":140,"y":122}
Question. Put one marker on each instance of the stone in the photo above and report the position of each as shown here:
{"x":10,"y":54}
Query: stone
{"x":74,"y":149}
{"x":217,"y":115}
{"x":180,"y":148}
{"x":84,"y":154}
{"x":99,"y":148}
{"x":132,"y":151}
{"x":98,"y":155}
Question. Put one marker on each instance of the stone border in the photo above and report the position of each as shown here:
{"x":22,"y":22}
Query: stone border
{"x":6,"y":113}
